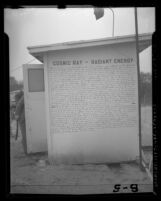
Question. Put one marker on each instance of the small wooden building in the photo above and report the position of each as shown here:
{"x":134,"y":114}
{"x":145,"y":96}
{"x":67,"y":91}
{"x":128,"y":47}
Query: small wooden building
{"x":81,"y":104}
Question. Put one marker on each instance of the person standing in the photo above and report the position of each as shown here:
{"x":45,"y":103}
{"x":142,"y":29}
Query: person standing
{"x":20,"y":117}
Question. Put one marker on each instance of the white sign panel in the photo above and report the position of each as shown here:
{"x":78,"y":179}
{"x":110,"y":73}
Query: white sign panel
{"x":93,"y":101}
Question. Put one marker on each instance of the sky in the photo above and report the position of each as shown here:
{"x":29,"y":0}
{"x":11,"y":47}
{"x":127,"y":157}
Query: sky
{"x":42,"y":26}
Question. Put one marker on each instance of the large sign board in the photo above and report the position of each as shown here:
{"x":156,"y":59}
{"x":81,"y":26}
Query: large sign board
{"x":93,"y":104}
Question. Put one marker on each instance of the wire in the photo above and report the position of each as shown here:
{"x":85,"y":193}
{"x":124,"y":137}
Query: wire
{"x":21,"y":66}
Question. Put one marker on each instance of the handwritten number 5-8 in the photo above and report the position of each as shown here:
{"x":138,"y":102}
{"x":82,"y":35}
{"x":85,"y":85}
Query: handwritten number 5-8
{"x":133,"y":187}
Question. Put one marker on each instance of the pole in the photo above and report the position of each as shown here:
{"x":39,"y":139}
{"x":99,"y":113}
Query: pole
{"x":99,"y":13}
{"x":138,"y":73}
{"x":113,"y":21}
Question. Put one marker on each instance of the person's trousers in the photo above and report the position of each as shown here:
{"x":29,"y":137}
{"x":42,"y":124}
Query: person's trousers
{"x":23,"y":133}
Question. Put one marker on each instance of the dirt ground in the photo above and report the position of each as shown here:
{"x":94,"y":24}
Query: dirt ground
{"x":30,"y":175}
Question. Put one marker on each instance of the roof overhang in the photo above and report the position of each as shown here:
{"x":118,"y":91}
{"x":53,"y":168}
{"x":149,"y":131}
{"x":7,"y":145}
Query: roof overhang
{"x":38,"y":51}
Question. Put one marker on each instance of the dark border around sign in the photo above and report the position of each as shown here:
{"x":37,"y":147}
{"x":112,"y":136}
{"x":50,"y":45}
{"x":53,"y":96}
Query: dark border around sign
{"x":5,"y":113}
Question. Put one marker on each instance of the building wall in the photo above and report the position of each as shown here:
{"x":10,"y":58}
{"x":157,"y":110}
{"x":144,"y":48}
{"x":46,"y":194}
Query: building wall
{"x":93,"y":104}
